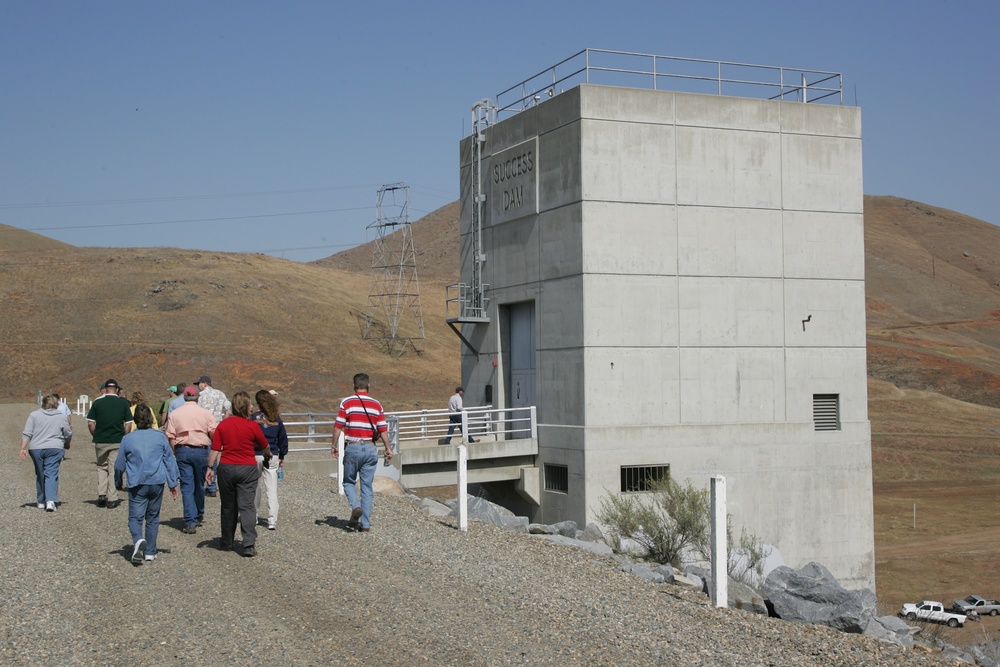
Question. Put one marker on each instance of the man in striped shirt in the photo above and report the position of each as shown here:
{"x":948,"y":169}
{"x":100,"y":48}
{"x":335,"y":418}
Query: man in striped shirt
{"x":362,"y":422}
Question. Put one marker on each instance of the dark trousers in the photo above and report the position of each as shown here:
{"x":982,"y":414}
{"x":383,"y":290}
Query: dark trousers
{"x":237,"y":490}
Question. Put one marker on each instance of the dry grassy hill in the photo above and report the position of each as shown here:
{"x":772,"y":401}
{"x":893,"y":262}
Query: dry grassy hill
{"x":153,"y":317}
{"x":933,"y":288}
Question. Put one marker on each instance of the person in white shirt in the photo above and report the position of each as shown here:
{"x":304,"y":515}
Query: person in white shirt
{"x":455,"y":408}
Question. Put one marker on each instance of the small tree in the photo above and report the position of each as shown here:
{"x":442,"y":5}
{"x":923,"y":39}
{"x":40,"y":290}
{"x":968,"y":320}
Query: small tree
{"x":666,"y":522}
{"x":675,"y":518}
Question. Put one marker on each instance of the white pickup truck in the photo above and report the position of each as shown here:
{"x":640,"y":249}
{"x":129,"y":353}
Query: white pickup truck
{"x":978,"y":604}
{"x":928,"y":610}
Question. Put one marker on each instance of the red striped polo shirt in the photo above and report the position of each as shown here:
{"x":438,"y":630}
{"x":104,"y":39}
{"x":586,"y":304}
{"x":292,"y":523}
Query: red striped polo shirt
{"x":357,"y":414}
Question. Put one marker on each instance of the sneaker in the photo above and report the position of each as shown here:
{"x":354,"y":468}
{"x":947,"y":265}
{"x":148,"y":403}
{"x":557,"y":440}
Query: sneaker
{"x":41,"y":506}
{"x":102,"y":501}
{"x":189,"y":530}
{"x":210,"y":494}
{"x":355,"y":516}
{"x":272,"y":524}
{"x":113,"y":504}
{"x":137,"y":552}
{"x":150,"y":557}
{"x":50,"y":506}
{"x":200,"y":522}
{"x":364,"y":530}
{"x":249,"y":552}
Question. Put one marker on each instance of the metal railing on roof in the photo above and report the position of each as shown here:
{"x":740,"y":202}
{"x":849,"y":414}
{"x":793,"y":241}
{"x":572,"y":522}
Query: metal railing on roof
{"x":693,"y":75}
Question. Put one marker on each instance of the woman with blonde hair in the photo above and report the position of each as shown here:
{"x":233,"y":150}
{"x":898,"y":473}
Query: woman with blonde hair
{"x":269,"y":418}
{"x":139,"y":398}
{"x":46,"y":437}
{"x":235,"y":443}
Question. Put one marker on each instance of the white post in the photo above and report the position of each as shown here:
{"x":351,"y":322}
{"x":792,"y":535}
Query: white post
{"x":720,"y":556}
{"x":340,"y":464}
{"x":463,"y":487}
{"x":465,"y":426}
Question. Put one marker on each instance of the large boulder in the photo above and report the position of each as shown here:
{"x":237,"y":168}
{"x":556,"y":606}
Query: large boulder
{"x":593,"y":547}
{"x":484,"y":511}
{"x":433,"y":507}
{"x":741,"y":596}
{"x":890,"y":629}
{"x":813,"y":595}
{"x":387,"y":486}
{"x":592,"y":533}
{"x":738,"y":594}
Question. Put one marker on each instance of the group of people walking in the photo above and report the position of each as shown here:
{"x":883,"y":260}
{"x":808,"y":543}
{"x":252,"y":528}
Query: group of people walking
{"x":197,"y":446}
{"x":204,"y":441}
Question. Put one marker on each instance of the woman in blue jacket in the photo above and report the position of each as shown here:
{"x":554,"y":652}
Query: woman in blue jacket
{"x":148,"y":463}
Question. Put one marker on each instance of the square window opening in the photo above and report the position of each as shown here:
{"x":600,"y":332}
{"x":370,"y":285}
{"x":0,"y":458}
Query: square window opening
{"x":642,"y":479}
{"x":556,"y":478}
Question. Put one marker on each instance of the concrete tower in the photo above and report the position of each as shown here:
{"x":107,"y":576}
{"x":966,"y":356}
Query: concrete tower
{"x":676,"y":281}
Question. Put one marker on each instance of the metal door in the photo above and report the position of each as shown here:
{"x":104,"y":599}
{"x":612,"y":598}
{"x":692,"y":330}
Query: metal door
{"x":522,"y":366}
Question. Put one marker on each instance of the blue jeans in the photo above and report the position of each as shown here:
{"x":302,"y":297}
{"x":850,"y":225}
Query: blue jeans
{"x":47,"y":472}
{"x":192,"y":462}
{"x":360,"y":459}
{"x":144,"y":503}
{"x":455,"y":422}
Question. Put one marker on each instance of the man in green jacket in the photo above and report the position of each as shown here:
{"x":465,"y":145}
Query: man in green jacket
{"x":108,"y":419}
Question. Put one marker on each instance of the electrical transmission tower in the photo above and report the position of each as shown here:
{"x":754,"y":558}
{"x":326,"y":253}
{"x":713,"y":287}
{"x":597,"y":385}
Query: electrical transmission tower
{"x":394,"y":319}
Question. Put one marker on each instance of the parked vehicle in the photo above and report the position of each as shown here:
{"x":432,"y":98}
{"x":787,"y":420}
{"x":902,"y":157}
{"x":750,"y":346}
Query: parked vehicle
{"x":978,"y":604}
{"x":928,"y":610}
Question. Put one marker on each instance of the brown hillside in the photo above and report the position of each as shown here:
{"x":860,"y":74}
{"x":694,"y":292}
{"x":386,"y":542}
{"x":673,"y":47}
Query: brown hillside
{"x":933,"y":299}
{"x":12,"y":238}
{"x":153,"y":317}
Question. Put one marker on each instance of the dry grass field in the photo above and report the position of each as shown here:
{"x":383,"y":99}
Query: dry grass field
{"x":153,"y":317}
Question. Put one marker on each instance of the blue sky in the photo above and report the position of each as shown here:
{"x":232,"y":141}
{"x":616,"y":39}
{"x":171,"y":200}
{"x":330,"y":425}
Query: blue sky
{"x":269,"y":126}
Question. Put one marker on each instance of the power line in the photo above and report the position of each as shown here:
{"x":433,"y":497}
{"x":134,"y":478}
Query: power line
{"x":231,"y":195}
{"x":174,"y":222}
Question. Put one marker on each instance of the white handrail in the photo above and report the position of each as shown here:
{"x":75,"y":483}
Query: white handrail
{"x":415,"y":425}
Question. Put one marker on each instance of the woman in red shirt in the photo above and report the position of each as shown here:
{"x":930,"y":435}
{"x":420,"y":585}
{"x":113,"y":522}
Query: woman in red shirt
{"x":235,"y":444}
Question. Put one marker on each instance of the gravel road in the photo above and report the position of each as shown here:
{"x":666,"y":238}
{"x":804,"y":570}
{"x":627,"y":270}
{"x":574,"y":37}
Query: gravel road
{"x":413,"y":591}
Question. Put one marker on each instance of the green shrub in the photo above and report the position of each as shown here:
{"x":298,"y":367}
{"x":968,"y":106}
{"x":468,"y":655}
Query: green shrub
{"x":665,"y":522}
{"x":674,"y":518}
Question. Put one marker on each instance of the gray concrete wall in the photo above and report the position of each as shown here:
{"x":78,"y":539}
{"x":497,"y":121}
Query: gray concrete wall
{"x":673,"y":244}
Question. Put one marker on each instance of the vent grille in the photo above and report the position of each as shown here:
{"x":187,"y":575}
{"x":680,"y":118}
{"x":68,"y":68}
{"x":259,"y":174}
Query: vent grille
{"x":641,"y":479}
{"x":826,"y":412}
{"x":556,"y":478}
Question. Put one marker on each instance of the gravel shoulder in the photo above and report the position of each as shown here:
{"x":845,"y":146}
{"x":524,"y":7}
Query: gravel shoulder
{"x":413,"y":591}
